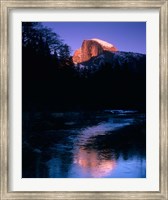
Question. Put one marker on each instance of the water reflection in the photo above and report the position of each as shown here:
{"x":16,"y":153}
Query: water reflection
{"x":101,"y":129}
{"x":94,"y":145}
{"x":92,"y":164}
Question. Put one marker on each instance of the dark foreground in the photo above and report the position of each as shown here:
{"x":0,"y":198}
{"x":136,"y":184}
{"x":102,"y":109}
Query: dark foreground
{"x":109,"y":144}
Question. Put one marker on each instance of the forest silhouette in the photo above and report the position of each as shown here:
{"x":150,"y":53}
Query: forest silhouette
{"x":51,"y":81}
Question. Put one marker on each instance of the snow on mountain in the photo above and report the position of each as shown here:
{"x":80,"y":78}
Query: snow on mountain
{"x":96,"y":54}
{"x":103,"y":43}
{"x":122,"y":60}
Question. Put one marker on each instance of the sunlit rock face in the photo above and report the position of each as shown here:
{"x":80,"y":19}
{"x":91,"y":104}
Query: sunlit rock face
{"x":91,"y":48}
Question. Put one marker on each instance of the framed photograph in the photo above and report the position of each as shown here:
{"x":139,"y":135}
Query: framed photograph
{"x":84,"y":99}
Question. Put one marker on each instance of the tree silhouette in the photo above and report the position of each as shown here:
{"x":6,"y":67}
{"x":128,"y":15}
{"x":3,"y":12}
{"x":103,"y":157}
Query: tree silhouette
{"x":44,"y":57}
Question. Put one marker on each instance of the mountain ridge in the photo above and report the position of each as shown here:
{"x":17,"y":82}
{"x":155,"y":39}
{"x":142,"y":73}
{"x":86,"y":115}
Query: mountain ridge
{"x":135,"y":62}
{"x":91,"y":48}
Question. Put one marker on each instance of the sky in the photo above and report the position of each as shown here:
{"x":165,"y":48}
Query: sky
{"x":125,"y":36}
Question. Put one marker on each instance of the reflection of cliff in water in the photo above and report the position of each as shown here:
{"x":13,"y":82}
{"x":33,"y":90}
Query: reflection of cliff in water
{"x":92,"y":164}
{"x":86,"y":145}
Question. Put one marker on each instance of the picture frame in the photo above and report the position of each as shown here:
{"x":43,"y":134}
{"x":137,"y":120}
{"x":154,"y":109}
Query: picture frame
{"x":162,"y":6}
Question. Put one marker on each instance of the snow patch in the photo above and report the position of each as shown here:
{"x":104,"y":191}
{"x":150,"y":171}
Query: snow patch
{"x":103,"y":43}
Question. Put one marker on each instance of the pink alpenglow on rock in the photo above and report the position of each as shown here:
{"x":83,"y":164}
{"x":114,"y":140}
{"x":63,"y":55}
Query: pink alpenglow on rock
{"x":91,"y":48}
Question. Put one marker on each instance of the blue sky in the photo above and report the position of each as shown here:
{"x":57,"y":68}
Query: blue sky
{"x":126,"y":36}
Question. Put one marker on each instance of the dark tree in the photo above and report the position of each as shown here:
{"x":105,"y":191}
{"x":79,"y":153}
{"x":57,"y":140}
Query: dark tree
{"x":44,"y":59}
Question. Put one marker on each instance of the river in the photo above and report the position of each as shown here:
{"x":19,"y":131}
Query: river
{"x":97,"y":144}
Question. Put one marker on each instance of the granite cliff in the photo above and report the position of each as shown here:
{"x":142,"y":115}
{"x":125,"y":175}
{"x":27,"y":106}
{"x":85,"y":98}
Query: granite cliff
{"x":92,"y":48}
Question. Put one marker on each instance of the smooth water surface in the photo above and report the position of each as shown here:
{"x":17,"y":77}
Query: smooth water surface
{"x":104,"y":144}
